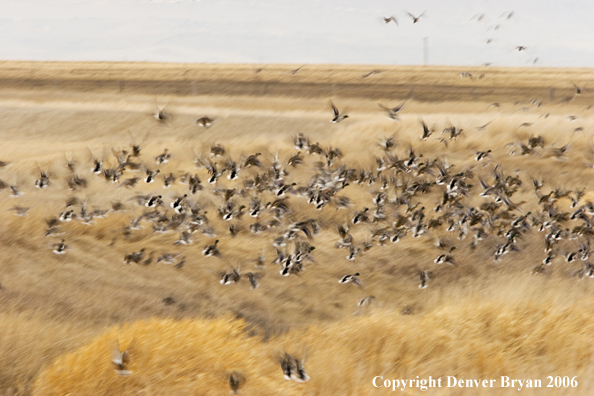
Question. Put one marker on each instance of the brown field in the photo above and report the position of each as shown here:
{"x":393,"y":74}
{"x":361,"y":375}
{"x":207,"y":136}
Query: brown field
{"x":479,"y":319}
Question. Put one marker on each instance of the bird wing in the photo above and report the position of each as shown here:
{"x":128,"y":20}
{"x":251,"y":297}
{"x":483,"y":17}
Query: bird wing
{"x":334,"y":109}
{"x":398,"y":108}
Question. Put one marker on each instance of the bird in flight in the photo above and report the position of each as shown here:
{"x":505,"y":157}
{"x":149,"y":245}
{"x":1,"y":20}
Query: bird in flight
{"x":161,"y":114}
{"x":337,"y":116}
{"x":578,"y":90}
{"x":120,"y":360}
{"x":390,"y":19}
{"x":521,"y":48}
{"x":414,"y":18}
{"x":392,"y":112}
{"x":293,"y":72}
{"x":205,"y":121}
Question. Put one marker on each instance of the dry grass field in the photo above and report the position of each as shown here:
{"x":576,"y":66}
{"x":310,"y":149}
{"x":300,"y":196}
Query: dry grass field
{"x":479,"y":318}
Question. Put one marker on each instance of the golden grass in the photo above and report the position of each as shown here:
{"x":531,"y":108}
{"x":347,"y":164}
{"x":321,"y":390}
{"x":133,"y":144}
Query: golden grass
{"x":146,"y":71}
{"x":186,"y":357}
{"x":28,"y":340}
{"x":467,"y":339}
{"x":479,"y":319}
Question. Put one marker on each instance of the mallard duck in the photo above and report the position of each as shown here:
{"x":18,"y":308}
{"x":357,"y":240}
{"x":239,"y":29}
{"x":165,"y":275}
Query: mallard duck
{"x":205,"y":122}
{"x":216,"y":150}
{"x":134,"y":257}
{"x":236,"y":381}
{"x":67,"y":216}
{"x":168,"y":181}
{"x":295,"y":160}
{"x":414,"y":18}
{"x":154,"y":201}
{"x":211,"y":250}
{"x":360,"y":217}
{"x":253,"y":278}
{"x":351,"y":279}
{"x":426,"y":131}
{"x":19,"y":210}
{"x":184,"y":238}
{"x":392,"y":112}
{"x":337,"y":116}
{"x":163,"y":158}
{"x":390,"y":19}
{"x":167,"y":258}
{"x":151,"y":175}
{"x":60,"y":248}
{"x":424,"y":276}
{"x":43,"y":181}
{"x":446,"y":258}
{"x":121,"y":359}
{"x":168,"y":300}
{"x":481,"y":155}
{"x":353,"y":252}
{"x":301,"y":141}
{"x":252,"y":160}
{"x":230,"y":278}
{"x":161,"y":115}
{"x":178,"y":204}
{"x":293,"y":368}
{"x":366,"y":301}
{"x":15,"y":193}
{"x":387,"y":144}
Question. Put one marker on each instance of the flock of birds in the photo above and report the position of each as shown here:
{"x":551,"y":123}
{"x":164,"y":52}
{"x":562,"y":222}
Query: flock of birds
{"x":259,"y":194}
{"x":479,"y":18}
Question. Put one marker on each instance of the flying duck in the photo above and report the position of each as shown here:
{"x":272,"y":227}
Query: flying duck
{"x":60,"y":248}
{"x":337,"y":116}
{"x":211,"y":250}
{"x":351,"y":279}
{"x":414,"y":18}
{"x":392,"y":112}
{"x":236,"y":381}
{"x":205,"y":122}
{"x":120,"y":360}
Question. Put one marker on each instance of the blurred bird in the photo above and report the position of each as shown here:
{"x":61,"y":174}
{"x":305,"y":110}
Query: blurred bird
{"x":211,"y":250}
{"x":337,"y":116}
{"x":236,"y":381}
{"x":205,"y":122}
{"x":414,"y":18}
{"x":60,"y":248}
{"x":424,"y":276}
{"x":161,"y":115}
{"x":392,"y":112}
{"x":390,"y":19}
{"x":293,"y":369}
{"x":351,"y":279}
{"x":121,"y":359}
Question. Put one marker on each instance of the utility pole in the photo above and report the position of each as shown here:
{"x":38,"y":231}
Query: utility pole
{"x":425,"y":51}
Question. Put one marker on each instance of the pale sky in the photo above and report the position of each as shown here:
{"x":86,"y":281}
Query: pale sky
{"x":558,"y":33}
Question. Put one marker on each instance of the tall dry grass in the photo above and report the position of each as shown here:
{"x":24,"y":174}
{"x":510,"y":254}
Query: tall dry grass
{"x":185,"y":357}
{"x":468,"y":339}
{"x":28,"y":341}
{"x":503,"y":320}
